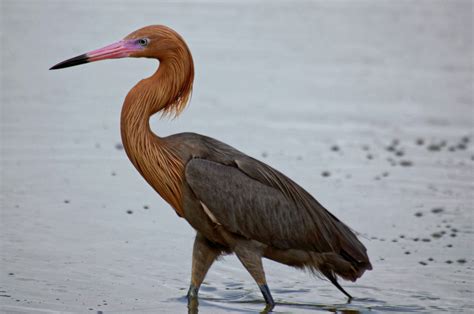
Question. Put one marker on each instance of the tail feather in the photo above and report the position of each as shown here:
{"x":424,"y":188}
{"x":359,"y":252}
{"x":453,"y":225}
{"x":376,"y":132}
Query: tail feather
{"x":332,"y":265}
{"x":351,"y":248}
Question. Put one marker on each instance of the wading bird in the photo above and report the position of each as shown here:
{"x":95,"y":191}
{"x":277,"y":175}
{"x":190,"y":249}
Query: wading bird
{"x":235,"y":203}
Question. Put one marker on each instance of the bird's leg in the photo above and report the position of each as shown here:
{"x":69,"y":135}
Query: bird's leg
{"x":203,"y":257}
{"x":251,"y":258}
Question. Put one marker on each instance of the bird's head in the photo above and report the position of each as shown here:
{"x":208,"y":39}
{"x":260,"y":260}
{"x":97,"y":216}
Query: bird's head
{"x":155,"y":41}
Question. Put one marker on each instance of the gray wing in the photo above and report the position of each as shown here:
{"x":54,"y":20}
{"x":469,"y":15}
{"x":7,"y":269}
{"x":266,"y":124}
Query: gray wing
{"x":255,"y":201}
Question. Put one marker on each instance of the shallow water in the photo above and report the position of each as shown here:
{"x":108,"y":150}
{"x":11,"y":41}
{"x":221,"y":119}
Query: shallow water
{"x":368,"y":105}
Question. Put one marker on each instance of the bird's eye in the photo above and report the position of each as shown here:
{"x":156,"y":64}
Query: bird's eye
{"x":143,"y":42}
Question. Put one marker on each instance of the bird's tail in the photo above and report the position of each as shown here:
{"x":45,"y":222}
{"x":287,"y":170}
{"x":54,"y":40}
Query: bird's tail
{"x":349,"y":261}
{"x":332,"y":265}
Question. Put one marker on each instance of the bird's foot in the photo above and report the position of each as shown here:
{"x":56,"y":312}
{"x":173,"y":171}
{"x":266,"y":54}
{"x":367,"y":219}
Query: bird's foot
{"x":268,"y":298}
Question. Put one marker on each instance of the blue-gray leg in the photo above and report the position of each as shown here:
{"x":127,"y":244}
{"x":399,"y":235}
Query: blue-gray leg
{"x":204,"y":254}
{"x":251,"y":257}
{"x":267,"y":296}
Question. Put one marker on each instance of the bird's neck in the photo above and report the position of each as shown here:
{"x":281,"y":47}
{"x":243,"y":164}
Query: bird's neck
{"x":168,"y":91}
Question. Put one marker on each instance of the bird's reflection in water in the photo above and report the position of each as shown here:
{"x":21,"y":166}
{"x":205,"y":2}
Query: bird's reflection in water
{"x":193,"y":307}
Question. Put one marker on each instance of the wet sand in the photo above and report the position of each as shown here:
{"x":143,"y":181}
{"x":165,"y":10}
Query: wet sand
{"x":368,"y":105}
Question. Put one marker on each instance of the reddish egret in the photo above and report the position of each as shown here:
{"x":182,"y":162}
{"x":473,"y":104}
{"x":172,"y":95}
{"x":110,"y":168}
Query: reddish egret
{"x":236,"y":203}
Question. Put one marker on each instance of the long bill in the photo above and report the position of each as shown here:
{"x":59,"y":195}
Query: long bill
{"x":116,"y":50}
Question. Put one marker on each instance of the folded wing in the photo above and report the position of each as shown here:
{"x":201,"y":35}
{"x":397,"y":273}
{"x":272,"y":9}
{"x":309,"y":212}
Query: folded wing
{"x":257,"y":202}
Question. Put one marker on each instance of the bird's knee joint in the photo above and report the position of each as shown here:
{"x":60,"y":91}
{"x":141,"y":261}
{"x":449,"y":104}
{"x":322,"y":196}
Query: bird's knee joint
{"x":192,"y":292}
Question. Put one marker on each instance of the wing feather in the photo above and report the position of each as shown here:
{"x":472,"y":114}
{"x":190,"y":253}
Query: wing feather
{"x":252,"y":199}
{"x":256,"y":201}
{"x":259,"y":206}
{"x":331,"y":232}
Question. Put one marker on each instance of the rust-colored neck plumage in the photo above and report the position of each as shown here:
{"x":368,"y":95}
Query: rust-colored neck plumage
{"x":167,"y":91}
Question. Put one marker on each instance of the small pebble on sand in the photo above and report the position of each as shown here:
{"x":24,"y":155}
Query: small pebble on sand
{"x":418,"y":214}
{"x":119,"y":146}
{"x":434,"y":147}
{"x":420,"y":141}
{"x":145,"y":207}
{"x":423,"y":263}
{"x":461,"y":261}
{"x":437,"y":210}
{"x":335,"y":148}
{"x":325,"y":173}
{"x":264,"y":154}
{"x":449,"y":261}
{"x":129,"y":212}
{"x":406,"y":163}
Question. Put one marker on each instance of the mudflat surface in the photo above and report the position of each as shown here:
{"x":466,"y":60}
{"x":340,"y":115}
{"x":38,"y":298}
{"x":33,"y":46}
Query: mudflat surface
{"x":366,"y":104}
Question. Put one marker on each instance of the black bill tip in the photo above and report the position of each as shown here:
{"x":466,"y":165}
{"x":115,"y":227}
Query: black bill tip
{"x":71,"y":62}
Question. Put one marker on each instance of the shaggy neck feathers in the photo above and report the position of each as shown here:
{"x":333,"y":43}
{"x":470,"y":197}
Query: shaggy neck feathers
{"x":167,"y":91}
